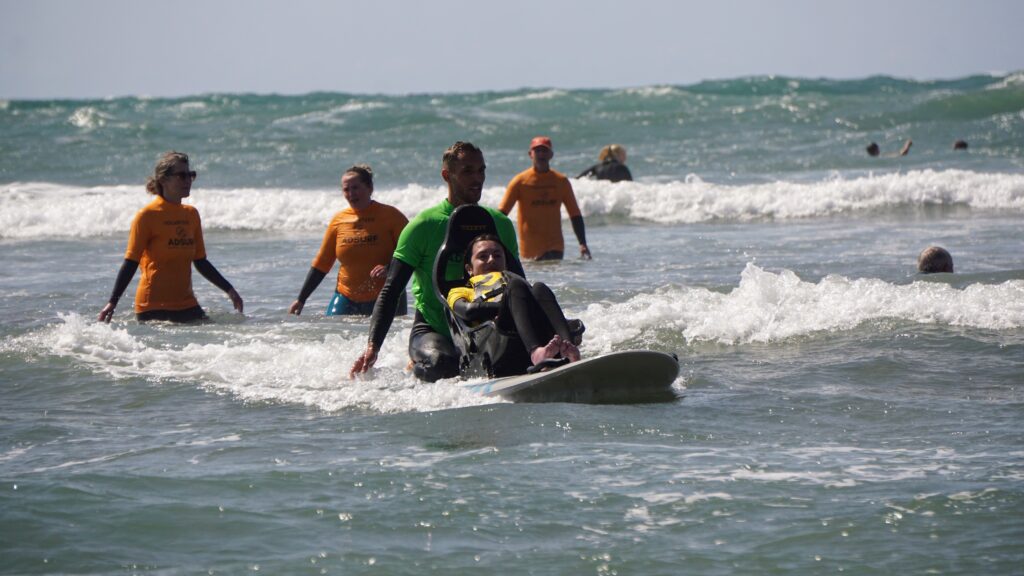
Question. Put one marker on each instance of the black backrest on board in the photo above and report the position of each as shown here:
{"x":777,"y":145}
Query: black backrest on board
{"x":466,"y":223}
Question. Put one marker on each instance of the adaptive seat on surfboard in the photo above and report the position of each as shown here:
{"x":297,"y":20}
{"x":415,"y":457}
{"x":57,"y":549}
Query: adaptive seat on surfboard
{"x":466,"y":223}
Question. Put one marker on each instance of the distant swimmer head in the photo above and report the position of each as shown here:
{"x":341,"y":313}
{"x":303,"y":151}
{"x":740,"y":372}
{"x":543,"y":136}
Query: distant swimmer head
{"x":960,"y":145}
{"x":171,"y":173}
{"x":934,"y":259}
{"x":357,"y":186}
{"x":873,"y":149}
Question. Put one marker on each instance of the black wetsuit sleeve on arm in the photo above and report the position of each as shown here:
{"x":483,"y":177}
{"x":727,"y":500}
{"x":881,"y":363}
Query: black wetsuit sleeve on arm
{"x":387,"y":301}
{"x":476,"y":311}
{"x":577,"y":227}
{"x":210,"y":273}
{"x":313,"y":280}
{"x":124,"y":277}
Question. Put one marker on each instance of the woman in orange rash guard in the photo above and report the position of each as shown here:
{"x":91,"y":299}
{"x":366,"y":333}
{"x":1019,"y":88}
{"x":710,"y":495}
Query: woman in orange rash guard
{"x":166,"y":240}
{"x":362,"y":238}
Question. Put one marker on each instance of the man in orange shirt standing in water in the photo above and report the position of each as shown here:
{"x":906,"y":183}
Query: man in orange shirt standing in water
{"x":541,"y":192}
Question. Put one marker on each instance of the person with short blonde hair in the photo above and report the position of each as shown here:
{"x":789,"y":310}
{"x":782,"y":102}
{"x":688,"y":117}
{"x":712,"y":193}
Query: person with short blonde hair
{"x":611,"y":165}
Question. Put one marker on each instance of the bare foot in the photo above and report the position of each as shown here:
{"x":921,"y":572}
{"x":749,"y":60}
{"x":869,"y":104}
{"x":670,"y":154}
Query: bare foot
{"x":570,"y":351}
{"x":542,"y":353}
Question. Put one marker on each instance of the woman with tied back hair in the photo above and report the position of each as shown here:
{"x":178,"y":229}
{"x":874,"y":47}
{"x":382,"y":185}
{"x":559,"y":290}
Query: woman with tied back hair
{"x":362,"y":238}
{"x":611,"y":165}
{"x":166,"y":240}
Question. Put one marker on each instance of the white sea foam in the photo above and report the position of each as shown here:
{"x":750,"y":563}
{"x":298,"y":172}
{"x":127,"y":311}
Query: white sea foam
{"x":278,"y":362}
{"x":1013,"y":80}
{"x":652,"y":91}
{"x":40,"y":210}
{"x":695,"y":200}
{"x":544,"y":95}
{"x":333,"y":117}
{"x":31,"y":210}
{"x":192,"y":106}
{"x":768,"y":307}
{"x":274,"y":364}
{"x":88,"y":118}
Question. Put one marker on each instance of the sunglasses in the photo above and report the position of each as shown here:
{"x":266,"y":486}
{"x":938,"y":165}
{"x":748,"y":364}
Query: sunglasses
{"x":190,"y":174}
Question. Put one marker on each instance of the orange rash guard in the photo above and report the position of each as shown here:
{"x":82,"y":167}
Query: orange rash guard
{"x":360,"y":241}
{"x":165,"y":238}
{"x":540,"y":197}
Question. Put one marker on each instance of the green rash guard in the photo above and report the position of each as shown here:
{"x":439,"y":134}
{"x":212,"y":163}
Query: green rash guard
{"x":418,"y":246}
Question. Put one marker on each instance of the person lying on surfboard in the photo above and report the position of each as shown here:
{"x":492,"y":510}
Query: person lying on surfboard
{"x":528,"y":318}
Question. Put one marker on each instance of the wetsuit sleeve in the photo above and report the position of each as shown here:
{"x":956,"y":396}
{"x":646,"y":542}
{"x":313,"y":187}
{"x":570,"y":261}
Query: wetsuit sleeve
{"x":476,"y":311}
{"x":578,"y":229}
{"x":210,"y":273}
{"x":313,"y":279}
{"x":124,"y":276}
{"x":387,"y":301}
{"x":589,"y":172}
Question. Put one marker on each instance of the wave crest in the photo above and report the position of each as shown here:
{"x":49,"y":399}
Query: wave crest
{"x":37,"y":210}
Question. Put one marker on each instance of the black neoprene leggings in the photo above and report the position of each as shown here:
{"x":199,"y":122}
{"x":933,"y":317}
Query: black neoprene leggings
{"x":532,"y":312}
{"x":433,"y":355}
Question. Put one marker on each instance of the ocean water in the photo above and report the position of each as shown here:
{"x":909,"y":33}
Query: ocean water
{"x":837,"y":412}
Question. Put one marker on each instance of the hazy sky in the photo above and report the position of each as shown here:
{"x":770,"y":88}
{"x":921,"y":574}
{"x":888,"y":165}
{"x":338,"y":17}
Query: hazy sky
{"x":99,"y":48}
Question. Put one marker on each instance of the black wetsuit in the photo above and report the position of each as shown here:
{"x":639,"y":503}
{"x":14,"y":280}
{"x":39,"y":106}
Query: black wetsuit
{"x":611,"y":169}
{"x":526,"y":317}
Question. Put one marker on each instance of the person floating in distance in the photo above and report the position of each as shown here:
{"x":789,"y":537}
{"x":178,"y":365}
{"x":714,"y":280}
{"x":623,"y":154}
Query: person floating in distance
{"x":166,"y":240}
{"x":960,"y":145}
{"x":362,"y":239}
{"x":873,"y":149}
{"x":611,"y":165}
{"x":433,"y":354}
{"x":934,"y":259}
{"x":541,"y":192}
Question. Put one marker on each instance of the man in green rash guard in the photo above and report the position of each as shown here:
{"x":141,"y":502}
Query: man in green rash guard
{"x":433,"y":354}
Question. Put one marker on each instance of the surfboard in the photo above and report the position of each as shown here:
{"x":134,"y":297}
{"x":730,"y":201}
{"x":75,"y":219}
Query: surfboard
{"x":627,"y":377}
